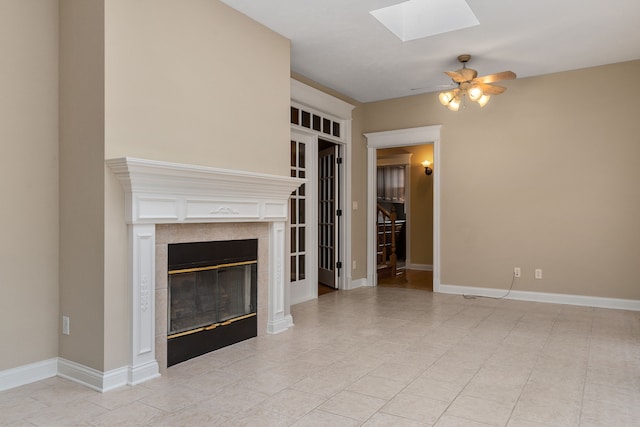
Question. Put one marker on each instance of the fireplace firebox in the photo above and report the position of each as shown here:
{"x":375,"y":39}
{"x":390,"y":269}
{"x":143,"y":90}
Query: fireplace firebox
{"x":212,"y":296}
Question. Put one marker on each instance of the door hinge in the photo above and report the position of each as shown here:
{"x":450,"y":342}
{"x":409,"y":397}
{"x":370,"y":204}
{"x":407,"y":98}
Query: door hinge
{"x":339,"y":160}
{"x":339,"y":264}
{"x":339,"y":212}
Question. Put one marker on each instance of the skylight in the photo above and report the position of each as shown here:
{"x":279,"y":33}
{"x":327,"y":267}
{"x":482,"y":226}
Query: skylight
{"x":415,"y":19}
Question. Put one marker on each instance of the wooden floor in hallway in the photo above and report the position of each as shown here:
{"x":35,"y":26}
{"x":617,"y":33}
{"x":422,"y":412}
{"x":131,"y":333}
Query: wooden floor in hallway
{"x":411,"y":279}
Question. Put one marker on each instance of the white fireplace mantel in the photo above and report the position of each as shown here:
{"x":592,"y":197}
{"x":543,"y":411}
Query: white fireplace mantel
{"x":162,"y":193}
{"x":166,"y":193}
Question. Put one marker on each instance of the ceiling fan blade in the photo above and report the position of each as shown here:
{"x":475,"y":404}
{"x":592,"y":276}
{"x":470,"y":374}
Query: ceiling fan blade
{"x":455,"y":76}
{"x":492,"y":89}
{"x":505,"y":75}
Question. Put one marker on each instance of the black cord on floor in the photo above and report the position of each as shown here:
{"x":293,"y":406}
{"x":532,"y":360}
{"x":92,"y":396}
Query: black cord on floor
{"x":513,"y":280}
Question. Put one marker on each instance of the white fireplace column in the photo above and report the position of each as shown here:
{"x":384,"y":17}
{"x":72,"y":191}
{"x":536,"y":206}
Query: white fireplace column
{"x":142,"y":249}
{"x":278,"y":320}
{"x":170,"y":193}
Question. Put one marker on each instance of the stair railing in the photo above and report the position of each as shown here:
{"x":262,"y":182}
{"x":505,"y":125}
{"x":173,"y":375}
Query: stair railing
{"x":386,"y":229}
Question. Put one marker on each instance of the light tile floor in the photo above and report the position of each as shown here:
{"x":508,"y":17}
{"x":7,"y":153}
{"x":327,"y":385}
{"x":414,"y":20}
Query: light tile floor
{"x":383,"y":357}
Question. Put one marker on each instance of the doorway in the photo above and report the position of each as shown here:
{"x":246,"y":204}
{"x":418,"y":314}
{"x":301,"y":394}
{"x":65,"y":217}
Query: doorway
{"x":393,"y":198}
{"x":316,"y":116}
{"x":402,"y":138}
{"x":316,"y":219}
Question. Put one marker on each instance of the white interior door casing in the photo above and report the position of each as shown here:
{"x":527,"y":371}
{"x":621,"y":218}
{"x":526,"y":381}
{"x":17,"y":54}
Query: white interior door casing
{"x":336,"y":112}
{"x":402,"y":138}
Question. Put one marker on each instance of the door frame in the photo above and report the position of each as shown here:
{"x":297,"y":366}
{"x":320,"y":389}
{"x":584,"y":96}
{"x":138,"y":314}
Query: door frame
{"x":402,"y":138}
{"x":314,"y":100}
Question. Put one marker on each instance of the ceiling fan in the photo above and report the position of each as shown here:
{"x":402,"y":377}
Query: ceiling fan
{"x":468,"y":84}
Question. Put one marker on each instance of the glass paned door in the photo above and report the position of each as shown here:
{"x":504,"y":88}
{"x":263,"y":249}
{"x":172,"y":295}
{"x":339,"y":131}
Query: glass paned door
{"x":297,"y":214}
{"x":328,"y":212}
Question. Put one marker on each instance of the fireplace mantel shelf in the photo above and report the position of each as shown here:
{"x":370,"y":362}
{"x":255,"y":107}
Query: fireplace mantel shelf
{"x":162,"y":192}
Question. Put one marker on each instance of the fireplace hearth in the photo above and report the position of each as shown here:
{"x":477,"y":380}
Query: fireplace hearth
{"x":212,"y":296}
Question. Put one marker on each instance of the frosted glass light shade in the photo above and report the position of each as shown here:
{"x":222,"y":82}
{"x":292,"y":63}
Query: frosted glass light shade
{"x":445,"y":98}
{"x":454,"y":105}
{"x":475,"y":93}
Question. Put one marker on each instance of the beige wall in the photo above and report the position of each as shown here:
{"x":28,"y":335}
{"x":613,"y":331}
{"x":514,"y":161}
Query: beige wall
{"x":82,"y":180}
{"x":420,"y":202}
{"x":545,"y":176}
{"x":29,"y":184}
{"x":196,"y":82}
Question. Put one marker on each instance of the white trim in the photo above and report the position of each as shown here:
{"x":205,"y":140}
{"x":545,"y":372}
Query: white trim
{"x":92,"y":378}
{"x":315,"y":99}
{"x":323,"y":102}
{"x":401,"y":138}
{"x":581,"y":300}
{"x":304,"y":297}
{"x":142,"y":256}
{"x":27,"y":374}
{"x":358,"y":283}
{"x":419,"y":267}
{"x":347,"y":209}
{"x":278,"y":319}
{"x":163,"y":193}
{"x":142,"y":372}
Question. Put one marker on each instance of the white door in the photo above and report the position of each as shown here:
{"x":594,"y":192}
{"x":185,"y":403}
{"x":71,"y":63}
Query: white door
{"x":302,"y":219}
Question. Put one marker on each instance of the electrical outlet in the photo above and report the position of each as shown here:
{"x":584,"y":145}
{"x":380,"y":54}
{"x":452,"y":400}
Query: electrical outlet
{"x":65,"y":325}
{"x":353,"y":264}
{"x":516,"y":272}
{"x":538,"y":273}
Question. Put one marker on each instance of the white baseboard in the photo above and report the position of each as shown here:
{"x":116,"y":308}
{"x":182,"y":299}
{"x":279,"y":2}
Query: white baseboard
{"x":419,"y":267}
{"x":27,"y":374}
{"x":141,"y":373}
{"x":89,"y":377}
{"x":92,"y":378}
{"x":281,"y":325}
{"x":358,"y":283}
{"x":582,"y":300}
{"x":302,"y":298}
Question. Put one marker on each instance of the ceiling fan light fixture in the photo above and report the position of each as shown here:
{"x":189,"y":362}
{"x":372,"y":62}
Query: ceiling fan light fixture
{"x":454,"y":104}
{"x":483,"y":100}
{"x":445,"y":98}
{"x":475,"y":93}
{"x":469,"y":85}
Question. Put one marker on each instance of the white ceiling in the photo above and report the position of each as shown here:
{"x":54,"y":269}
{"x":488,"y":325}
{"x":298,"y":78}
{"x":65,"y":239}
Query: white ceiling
{"x":341,"y":45}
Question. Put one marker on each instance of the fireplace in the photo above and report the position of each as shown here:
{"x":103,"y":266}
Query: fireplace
{"x":212,"y":296}
{"x":177,"y":203}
